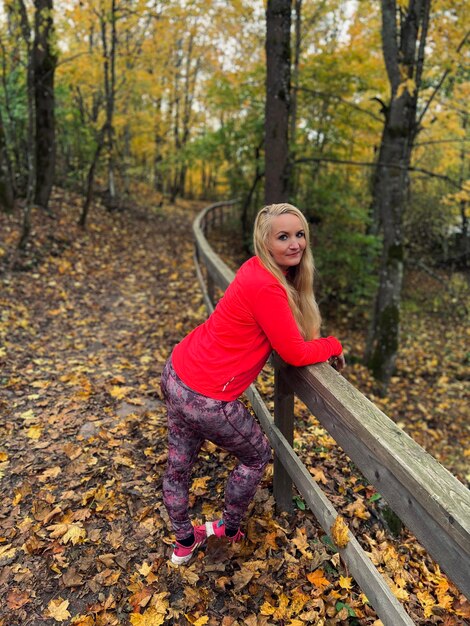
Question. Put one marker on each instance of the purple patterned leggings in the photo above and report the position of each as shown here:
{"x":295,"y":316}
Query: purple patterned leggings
{"x":193,"y":418}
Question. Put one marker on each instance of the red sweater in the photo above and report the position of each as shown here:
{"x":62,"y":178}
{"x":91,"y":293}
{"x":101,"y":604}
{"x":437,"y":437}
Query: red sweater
{"x":223,"y":356}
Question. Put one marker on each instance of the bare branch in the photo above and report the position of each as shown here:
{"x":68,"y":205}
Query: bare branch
{"x":340,"y":99}
{"x":448,"y":180}
{"x":433,"y":141}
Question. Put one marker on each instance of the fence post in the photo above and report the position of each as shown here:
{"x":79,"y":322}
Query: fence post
{"x":211,"y":288}
{"x":284,"y":420}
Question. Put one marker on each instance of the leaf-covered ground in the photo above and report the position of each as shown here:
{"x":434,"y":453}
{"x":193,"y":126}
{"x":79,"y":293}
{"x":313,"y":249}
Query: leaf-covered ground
{"x":87,"y":321}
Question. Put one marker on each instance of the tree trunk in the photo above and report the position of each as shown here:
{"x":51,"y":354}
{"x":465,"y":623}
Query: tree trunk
{"x":294,"y":96}
{"x":44,"y":63}
{"x":278,"y":22}
{"x":465,"y":235}
{"x":7,"y":194}
{"x":26,"y":33}
{"x":404,"y":60}
{"x":109,"y":72}
{"x":91,"y":178}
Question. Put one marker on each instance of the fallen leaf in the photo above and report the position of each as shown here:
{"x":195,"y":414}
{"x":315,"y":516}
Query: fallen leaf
{"x":301,"y":543}
{"x":241,"y":578}
{"x":7,"y":552}
{"x":345,"y":583}
{"x":358,"y":509}
{"x":317,"y":578}
{"x":267,"y":609}
{"x":57,"y":609}
{"x":318,"y":475}
{"x":16,"y":599}
{"x":340,"y":532}
{"x":34,"y":432}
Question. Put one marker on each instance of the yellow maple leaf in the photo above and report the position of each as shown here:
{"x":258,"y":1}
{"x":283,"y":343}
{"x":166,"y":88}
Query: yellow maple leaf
{"x":201,"y":621}
{"x":427,"y":602}
{"x":340,"y":532}
{"x":345,"y":582}
{"x":445,"y":601}
{"x":120,"y":392}
{"x":57,"y":609}
{"x":358,"y":509}
{"x":75,"y":533}
{"x":3,"y":457}
{"x":296,"y":622}
{"x":317,"y":578}
{"x":200,"y":483}
{"x":145,"y":569}
{"x":151,"y":617}
{"x":318,"y":475}
{"x":281,"y":610}
{"x":34,"y":432}
{"x":267,"y":609}
{"x":399,"y":593}
{"x":299,"y":600}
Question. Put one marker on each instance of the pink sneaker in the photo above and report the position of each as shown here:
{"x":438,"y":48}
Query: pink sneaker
{"x":182,"y":554}
{"x":217,"y":528}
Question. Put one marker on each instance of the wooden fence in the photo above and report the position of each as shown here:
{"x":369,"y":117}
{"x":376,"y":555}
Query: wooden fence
{"x":429,"y":500}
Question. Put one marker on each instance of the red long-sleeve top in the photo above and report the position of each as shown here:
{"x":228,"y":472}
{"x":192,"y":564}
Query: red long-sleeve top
{"x":223,"y":356}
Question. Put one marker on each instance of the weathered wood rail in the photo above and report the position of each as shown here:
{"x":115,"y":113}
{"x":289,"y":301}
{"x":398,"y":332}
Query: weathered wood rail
{"x":429,"y":500}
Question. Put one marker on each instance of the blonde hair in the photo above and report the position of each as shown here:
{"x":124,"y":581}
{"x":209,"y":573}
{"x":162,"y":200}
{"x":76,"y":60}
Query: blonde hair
{"x":299,"y":281}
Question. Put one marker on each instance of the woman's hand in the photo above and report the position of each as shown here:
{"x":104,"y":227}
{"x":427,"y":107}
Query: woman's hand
{"x":338,"y":362}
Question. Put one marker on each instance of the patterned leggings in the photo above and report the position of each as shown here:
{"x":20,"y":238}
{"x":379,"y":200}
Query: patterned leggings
{"x":193,"y":418}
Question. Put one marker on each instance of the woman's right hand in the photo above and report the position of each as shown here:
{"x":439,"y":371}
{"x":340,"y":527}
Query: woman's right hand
{"x":338,"y":362}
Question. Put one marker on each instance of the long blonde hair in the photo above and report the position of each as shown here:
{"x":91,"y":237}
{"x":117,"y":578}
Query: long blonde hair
{"x":299,"y":281}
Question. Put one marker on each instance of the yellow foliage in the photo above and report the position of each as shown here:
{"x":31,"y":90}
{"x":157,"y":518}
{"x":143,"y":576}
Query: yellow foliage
{"x":340,"y":532}
{"x":408,"y":85}
{"x":267,"y":609}
{"x":427,"y":602}
{"x":34,"y":432}
{"x":57,"y":609}
{"x":150,"y":617}
{"x":318,"y":579}
{"x":345,"y":582}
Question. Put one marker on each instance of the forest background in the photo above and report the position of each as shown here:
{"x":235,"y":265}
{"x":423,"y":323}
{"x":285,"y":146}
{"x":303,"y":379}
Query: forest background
{"x":362,"y":121}
{"x":125,"y":104}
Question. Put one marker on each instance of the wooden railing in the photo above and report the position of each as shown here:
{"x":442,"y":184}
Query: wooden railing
{"x":429,"y":500}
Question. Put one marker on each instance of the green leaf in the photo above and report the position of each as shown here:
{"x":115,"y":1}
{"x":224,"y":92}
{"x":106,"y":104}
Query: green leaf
{"x":374,"y":497}
{"x":300,"y":504}
{"x":327,"y":541}
{"x":342,"y":605}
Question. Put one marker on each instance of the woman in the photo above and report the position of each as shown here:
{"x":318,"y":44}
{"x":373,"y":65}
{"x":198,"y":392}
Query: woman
{"x":270,"y":305}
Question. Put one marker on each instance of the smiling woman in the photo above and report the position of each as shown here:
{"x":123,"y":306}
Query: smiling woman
{"x":286,"y":242}
{"x":270,"y":305}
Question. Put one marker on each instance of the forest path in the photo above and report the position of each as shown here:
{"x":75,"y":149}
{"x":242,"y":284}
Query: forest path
{"x":84,"y":536}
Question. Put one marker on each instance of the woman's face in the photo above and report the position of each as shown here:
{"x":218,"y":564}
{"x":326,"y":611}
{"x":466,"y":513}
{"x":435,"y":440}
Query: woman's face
{"x":286,"y":242}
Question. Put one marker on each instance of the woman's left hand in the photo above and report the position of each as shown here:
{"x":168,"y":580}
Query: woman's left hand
{"x":338,"y":362}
